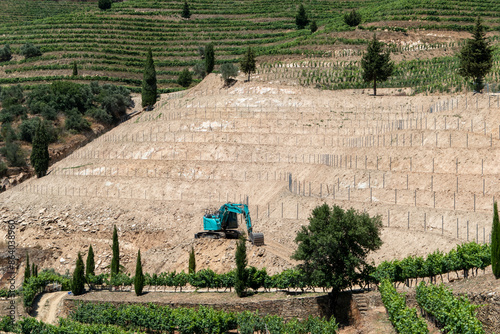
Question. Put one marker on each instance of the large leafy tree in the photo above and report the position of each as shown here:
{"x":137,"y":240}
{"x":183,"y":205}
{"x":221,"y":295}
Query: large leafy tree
{"x":241,"y":277}
{"x":495,"y":243}
{"x":209,"y":58}
{"x":335,"y":244}
{"x":301,"y":19}
{"x":40,"y":152}
{"x":90,"y":265}
{"x":376,"y":65}
{"x":247,"y":64}
{"x":228,"y":71}
{"x":115,"y":261}
{"x":476,"y":57}
{"x":149,"y":87}
{"x":139,"y":276}
{"x":78,"y":282}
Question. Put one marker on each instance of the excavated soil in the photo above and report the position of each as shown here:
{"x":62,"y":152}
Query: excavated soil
{"x":285,"y":149}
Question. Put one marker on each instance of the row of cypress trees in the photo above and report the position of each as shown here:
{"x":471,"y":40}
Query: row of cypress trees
{"x":81,"y":272}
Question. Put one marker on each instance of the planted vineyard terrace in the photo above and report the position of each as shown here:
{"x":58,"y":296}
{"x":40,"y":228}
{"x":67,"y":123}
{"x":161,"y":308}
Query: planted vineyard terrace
{"x":287,"y":149}
{"x":111,"y":45}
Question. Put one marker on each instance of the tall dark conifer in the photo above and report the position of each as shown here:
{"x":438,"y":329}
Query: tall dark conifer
{"x":75,"y":69}
{"x":186,"y":13}
{"x":241,"y":281}
{"x":476,"y":57}
{"x":115,"y":261}
{"x":139,"y":276}
{"x":192,"y":261}
{"x":78,"y":282}
{"x":40,"y":151}
{"x":149,"y":87}
{"x":301,"y":19}
{"x":90,"y":265}
{"x":247,"y":64}
{"x":495,"y":243}
{"x":209,"y":58}
{"x":376,"y":65}
{"x":27,"y":269}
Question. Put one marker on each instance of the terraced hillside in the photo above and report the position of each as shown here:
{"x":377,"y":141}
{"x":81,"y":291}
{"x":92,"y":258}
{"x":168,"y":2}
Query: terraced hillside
{"x":111,"y":45}
{"x":431,"y":176}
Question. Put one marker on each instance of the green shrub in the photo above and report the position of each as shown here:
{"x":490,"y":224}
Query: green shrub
{"x":29,"y":50}
{"x":6,"y":116}
{"x":41,"y":108}
{"x":228,"y":71}
{"x":100,"y":115}
{"x":13,"y":153}
{"x":28,"y":128}
{"x":5,"y":53}
{"x":69,"y":95}
{"x":11,"y":95}
{"x":3,"y":169}
{"x":105,"y":4}
{"x":75,"y":121}
{"x":17,"y":110}
{"x":185,"y":78}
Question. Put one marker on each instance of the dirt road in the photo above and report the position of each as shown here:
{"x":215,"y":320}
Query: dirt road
{"x":47,"y":307}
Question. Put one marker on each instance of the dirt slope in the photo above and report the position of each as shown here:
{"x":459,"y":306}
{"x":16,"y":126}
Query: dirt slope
{"x":284,"y":148}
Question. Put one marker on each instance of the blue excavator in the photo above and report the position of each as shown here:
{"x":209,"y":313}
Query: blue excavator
{"x":223,"y":224}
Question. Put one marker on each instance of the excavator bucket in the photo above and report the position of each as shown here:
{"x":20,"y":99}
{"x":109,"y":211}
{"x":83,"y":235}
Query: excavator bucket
{"x":257,"y":239}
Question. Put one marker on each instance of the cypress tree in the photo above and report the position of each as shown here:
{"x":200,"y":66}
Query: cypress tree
{"x":115,"y":261}
{"x":40,"y":152}
{"x":377,"y":66}
{"x":33,"y":270}
{"x":192,"y":261}
{"x":247,"y":64}
{"x":240,"y":282}
{"x":186,"y":13}
{"x":78,"y":282}
{"x":139,"y":276}
{"x":476,"y":57}
{"x":90,"y":265}
{"x":495,"y":243}
{"x":209,"y":58}
{"x":301,"y":19}
{"x":27,"y":269}
{"x":352,"y":19}
{"x":75,"y":69}
{"x":314,"y":26}
{"x":149,"y":88}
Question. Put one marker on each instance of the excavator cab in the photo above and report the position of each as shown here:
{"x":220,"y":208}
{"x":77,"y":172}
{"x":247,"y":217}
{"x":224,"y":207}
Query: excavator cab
{"x":232,"y":220}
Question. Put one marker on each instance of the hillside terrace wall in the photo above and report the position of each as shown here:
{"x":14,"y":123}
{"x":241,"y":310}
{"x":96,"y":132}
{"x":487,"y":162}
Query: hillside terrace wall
{"x":296,"y":307}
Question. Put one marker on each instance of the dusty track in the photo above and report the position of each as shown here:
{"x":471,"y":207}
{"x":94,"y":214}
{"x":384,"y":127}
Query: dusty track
{"x":47,"y":306}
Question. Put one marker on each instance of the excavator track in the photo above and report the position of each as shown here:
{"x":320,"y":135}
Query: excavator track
{"x":210,"y":235}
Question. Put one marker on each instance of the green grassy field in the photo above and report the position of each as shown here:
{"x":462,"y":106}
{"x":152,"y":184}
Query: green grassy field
{"x":111,"y":45}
